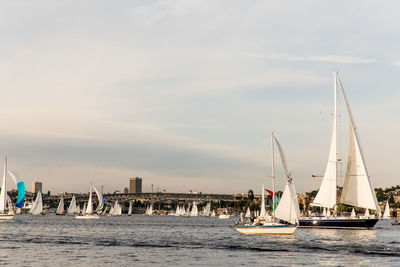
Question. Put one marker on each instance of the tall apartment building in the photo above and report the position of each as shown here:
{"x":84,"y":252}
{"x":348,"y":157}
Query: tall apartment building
{"x":36,"y":187}
{"x":135,"y":185}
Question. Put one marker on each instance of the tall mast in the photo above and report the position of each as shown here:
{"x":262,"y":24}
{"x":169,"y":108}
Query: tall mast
{"x":335,"y":126}
{"x":273,"y":176}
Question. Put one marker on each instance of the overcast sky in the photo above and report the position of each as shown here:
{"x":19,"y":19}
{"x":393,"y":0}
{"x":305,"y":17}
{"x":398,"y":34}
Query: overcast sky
{"x":186,"y":93}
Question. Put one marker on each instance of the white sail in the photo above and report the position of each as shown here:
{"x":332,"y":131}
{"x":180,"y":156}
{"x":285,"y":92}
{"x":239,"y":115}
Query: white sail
{"x":288,"y":207}
{"x":72,"y":206}
{"x":89,"y":208}
{"x":78,"y":209}
{"x":100,"y":206}
{"x":60,"y":208}
{"x":213,"y":214}
{"x":115,"y":209}
{"x":357,"y":189}
{"x":194,"y":211}
{"x":366,"y":215}
{"x":328,"y":213}
{"x":130,"y":208}
{"x":386,"y":214}
{"x":263,"y":212}
{"x":10,"y":206}
{"x":326,"y":196}
{"x":353,"y":213}
{"x":112,"y":210}
{"x":84,"y":209}
{"x":37,"y":207}
{"x":3,"y":193}
{"x":207,"y":209}
{"x":248,"y":214}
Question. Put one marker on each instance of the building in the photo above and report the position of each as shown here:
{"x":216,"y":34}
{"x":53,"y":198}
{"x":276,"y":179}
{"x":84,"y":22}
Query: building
{"x":36,"y":187}
{"x":135,"y":185}
{"x":125,"y":190}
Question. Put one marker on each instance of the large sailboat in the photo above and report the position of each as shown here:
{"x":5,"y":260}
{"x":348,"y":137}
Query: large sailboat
{"x":285,"y":218}
{"x":88,"y":213}
{"x":357,"y":189}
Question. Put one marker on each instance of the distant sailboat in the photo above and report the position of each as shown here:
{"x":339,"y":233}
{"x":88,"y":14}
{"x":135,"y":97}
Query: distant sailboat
{"x":248,"y":213}
{"x":72,"y":209}
{"x":88,"y":213}
{"x":287,"y":209}
{"x":194,"y":212}
{"x":3,"y":197}
{"x":60,"y":209}
{"x":37,"y":207}
{"x":78,"y":209}
{"x":357,"y":189}
{"x":149,"y":210}
{"x":213,"y":214}
{"x":130,"y":208}
{"x":207,"y":209}
{"x":386,"y":214}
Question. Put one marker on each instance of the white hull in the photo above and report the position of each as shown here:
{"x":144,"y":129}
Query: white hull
{"x":224,"y":216}
{"x":266,"y":229}
{"x":6,"y":217}
{"x":87,"y":217}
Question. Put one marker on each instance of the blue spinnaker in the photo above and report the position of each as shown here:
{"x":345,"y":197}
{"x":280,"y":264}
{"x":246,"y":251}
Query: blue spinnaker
{"x":21,"y":189}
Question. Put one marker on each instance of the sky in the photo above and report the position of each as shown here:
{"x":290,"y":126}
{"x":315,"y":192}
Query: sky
{"x":185,"y":94}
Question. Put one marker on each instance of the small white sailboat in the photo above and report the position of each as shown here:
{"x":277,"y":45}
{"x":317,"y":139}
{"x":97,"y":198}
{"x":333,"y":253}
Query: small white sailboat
{"x":194,"y":212}
{"x":116,"y":210}
{"x":72,"y":206}
{"x":248,"y":213}
{"x":287,"y":209}
{"x":10,"y":205}
{"x":213,"y":214}
{"x":3,"y":197}
{"x":386,"y":213}
{"x":88,"y":213}
{"x":60,"y":209}
{"x":130,"y":208}
{"x":207,"y":209}
{"x":78,"y":209}
{"x":224,"y":216}
{"x":149,"y":210}
{"x":37,"y":207}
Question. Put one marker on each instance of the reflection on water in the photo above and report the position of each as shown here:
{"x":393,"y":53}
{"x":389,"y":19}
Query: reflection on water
{"x":169,"y":240}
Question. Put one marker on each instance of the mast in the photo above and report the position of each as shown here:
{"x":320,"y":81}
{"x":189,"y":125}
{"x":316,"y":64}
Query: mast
{"x":273,"y":176}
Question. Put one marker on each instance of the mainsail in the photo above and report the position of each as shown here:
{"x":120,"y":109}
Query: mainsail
{"x":3,"y":193}
{"x":288,"y":208}
{"x":130,"y":208}
{"x":60,"y":208}
{"x":263,"y":212}
{"x":37,"y":207}
{"x":72,"y":206}
{"x":100,"y":206}
{"x":89,"y":208}
{"x":386,"y":214}
{"x":326,"y":196}
{"x":357,"y":189}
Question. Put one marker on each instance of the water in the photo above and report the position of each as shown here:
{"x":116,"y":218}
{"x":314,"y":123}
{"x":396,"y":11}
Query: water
{"x":176,"y":241}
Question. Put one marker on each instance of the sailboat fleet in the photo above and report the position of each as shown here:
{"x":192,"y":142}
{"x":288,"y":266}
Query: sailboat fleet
{"x":284,"y":217}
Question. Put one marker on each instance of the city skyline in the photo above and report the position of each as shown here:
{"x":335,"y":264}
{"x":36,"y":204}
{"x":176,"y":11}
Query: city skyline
{"x":186,"y":95}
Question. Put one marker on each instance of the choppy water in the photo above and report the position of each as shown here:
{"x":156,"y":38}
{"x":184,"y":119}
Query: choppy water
{"x":175,"y":241}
